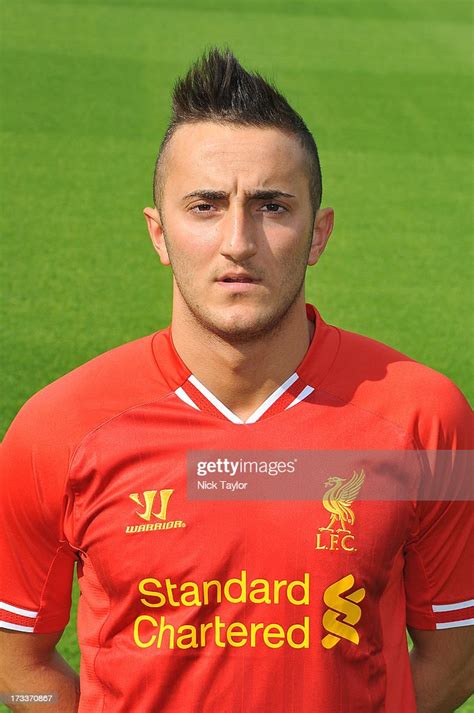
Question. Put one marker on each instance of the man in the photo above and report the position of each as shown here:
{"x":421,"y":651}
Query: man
{"x":196,"y":601}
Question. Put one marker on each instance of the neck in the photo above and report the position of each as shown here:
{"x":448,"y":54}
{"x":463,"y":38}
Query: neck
{"x":243,"y":375}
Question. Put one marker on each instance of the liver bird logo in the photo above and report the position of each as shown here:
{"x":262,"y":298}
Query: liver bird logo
{"x":338,"y":499}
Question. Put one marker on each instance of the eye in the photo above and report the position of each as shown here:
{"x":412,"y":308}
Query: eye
{"x":202,"y":208}
{"x":273,"y":208}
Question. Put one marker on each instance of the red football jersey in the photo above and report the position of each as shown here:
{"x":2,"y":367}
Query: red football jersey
{"x":213,"y":599}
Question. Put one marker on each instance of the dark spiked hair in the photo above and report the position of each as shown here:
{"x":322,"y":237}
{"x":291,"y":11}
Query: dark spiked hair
{"x":217,"y":88}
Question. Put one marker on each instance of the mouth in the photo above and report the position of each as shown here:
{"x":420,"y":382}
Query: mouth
{"x":238,"y":278}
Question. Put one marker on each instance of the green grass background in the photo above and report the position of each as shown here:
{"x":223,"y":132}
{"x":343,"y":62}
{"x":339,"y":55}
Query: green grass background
{"x":386,"y":87}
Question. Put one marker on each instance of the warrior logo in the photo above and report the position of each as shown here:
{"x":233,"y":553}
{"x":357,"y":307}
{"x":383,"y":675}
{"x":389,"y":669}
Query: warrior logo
{"x":149,"y":497}
{"x":347,"y":607}
{"x":146,"y":513}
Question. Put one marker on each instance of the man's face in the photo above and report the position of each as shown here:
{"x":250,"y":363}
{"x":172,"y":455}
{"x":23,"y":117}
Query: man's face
{"x":237,"y":225}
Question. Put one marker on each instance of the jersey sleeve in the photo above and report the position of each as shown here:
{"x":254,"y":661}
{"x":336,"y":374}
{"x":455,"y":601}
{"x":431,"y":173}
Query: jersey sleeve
{"x":36,"y":562}
{"x":439,"y":579}
{"x":38,"y":542}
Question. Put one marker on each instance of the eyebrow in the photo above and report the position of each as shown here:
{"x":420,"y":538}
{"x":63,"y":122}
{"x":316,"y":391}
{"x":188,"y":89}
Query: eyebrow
{"x":264,"y":194}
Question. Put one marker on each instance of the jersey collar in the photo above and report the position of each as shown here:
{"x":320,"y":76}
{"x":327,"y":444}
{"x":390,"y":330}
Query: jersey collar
{"x":294,"y":390}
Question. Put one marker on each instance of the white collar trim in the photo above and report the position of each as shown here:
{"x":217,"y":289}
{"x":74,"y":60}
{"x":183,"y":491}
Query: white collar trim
{"x":256,"y":415}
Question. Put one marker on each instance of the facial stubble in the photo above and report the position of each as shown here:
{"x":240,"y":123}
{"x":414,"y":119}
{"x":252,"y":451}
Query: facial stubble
{"x":269,"y":323}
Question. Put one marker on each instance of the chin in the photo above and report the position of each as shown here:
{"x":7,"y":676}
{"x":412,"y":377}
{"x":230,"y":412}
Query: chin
{"x":242,"y":328}
{"x":242,"y":322}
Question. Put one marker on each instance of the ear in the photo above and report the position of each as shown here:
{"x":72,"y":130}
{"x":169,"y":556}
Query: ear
{"x":156,"y":231}
{"x":322,"y":229}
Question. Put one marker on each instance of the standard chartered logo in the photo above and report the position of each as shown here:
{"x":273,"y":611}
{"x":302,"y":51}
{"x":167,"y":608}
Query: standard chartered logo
{"x":163,"y":630}
{"x":345,"y":607}
{"x":287,"y":621}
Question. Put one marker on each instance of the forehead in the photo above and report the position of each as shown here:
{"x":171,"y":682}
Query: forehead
{"x":225,"y":156}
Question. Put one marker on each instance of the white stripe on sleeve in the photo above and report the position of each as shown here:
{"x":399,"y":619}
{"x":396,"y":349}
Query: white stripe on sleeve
{"x":454,"y":624}
{"x":15,"y":627}
{"x":453,"y":607}
{"x":16,"y":610}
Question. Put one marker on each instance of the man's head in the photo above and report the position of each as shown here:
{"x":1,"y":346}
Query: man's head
{"x":218,"y":89}
{"x":237,"y":194}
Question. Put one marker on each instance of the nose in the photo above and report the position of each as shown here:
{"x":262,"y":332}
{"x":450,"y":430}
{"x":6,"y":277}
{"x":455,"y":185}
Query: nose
{"x":238,"y":235}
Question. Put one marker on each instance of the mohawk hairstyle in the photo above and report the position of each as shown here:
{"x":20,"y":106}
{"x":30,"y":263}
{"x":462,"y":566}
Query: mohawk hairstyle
{"x":217,"y":88}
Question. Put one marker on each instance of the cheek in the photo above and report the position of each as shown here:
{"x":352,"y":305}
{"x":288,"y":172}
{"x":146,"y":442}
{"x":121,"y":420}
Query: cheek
{"x":288,"y":249}
{"x":195,"y":240}
{"x":290,"y":234}
{"x":191,"y":265}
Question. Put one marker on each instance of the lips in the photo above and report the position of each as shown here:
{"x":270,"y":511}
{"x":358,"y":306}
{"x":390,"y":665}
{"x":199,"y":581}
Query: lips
{"x":242,"y":277}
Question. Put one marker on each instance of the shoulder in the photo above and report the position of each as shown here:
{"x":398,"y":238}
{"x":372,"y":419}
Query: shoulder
{"x":97,"y":390}
{"x":377,"y":377}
